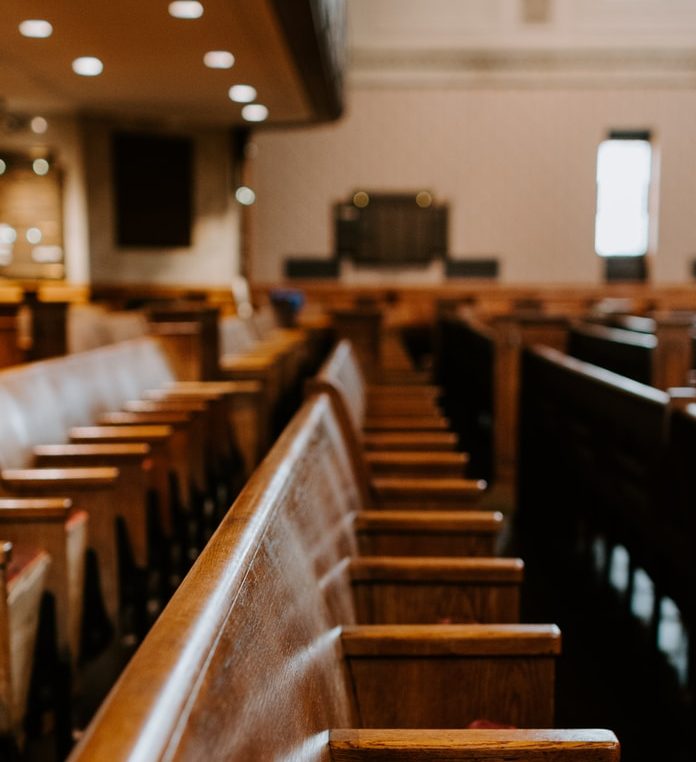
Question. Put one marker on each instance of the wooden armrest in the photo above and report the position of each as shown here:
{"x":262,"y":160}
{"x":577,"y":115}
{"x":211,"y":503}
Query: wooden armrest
{"x":30,"y":508}
{"x":126,"y":418}
{"x":114,"y":453}
{"x":410,"y":440}
{"x":451,"y":640}
{"x":112,"y":434}
{"x":393,"y":568}
{"x":427,"y":391}
{"x":429,"y":532}
{"x":427,"y":490}
{"x":258,"y":363}
{"x":444,"y":521}
{"x":58,"y":478}
{"x":473,"y":745}
{"x":166,"y":406}
{"x":205,"y":390}
{"x":447,"y":676}
{"x":416,"y":590}
{"x":425,"y":463}
{"x":407,"y":423}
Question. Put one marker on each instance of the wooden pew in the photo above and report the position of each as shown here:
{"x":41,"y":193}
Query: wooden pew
{"x":341,"y":372}
{"x":277,"y":359}
{"x":465,"y":366}
{"x":23,"y":573}
{"x":259,"y":654}
{"x":90,"y":326}
{"x":627,"y":353}
{"x":340,"y":378}
{"x":52,"y":525}
{"x":597,"y":439}
{"x":51,"y":402}
{"x":672,"y":358}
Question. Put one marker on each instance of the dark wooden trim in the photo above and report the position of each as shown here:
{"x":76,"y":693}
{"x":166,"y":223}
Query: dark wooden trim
{"x":316,"y":52}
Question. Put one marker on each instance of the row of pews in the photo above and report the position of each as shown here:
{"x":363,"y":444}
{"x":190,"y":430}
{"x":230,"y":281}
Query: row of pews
{"x":348,"y":606}
{"x":114,"y":473}
{"x":621,"y":454}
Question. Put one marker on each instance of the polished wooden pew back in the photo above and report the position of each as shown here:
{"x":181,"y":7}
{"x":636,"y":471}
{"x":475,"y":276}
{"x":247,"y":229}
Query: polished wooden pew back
{"x":257,"y":655}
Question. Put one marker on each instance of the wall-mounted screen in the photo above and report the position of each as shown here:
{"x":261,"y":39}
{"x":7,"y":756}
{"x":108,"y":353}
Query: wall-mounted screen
{"x":391,"y":229}
{"x":153,"y":189}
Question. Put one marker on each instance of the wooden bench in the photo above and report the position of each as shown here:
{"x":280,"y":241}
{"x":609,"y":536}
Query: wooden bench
{"x":90,"y":326}
{"x":52,"y":525}
{"x":625,"y":352}
{"x":465,"y":359}
{"x":340,"y":378}
{"x":59,"y":400}
{"x":23,"y":572}
{"x":260,"y":654}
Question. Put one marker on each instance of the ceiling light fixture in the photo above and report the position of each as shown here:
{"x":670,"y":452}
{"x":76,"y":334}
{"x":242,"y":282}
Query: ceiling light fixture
{"x":186,"y":9}
{"x":37,"y":28}
{"x":87,"y":66}
{"x":255,"y":112}
{"x":218,"y":59}
{"x":3,"y":167}
{"x":242,"y":93}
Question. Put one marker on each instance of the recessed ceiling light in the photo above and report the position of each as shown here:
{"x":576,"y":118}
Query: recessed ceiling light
{"x":3,"y":167}
{"x":218,"y":59}
{"x":242,"y":93}
{"x":40,"y":166}
{"x":245,"y":195}
{"x":255,"y":112}
{"x":186,"y":9}
{"x":87,"y":66}
{"x":38,"y":125}
{"x":38,"y":28}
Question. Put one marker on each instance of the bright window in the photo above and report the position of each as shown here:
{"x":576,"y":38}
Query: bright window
{"x":623,"y":192}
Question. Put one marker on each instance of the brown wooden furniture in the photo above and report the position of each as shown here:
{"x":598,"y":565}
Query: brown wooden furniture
{"x":259,"y":654}
{"x":23,"y":571}
{"x":340,"y":378}
{"x":52,"y":525}
{"x":49,"y":403}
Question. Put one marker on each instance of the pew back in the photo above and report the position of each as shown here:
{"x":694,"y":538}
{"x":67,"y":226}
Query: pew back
{"x":592,"y":450}
{"x":622,"y":351}
{"x":41,"y":402}
{"x":210,"y":675}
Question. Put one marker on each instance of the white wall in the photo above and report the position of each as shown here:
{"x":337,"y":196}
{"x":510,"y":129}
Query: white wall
{"x":211,"y":260}
{"x":517,"y":167}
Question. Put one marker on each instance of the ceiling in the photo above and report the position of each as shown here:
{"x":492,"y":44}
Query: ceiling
{"x":153,"y":63}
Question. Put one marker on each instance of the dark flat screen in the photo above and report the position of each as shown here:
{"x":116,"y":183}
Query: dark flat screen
{"x":153,"y":189}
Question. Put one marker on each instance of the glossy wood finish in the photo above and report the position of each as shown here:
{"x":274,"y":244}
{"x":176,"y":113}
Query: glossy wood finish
{"x":53,"y":525}
{"x":473,"y":746}
{"x":449,"y":676}
{"x":393,"y":590}
{"x":213,"y":679}
{"x":23,"y":579}
{"x":92,"y":489}
{"x":407,"y":441}
{"x":134,"y":462}
{"x":341,"y":379}
{"x":428,"y":533}
{"x":628,"y":353}
{"x":443,"y":464}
